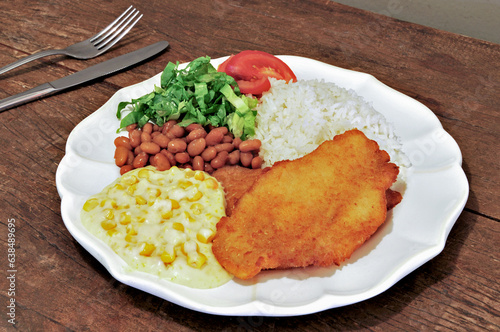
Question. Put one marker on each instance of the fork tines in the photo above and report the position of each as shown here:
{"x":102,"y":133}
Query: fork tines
{"x":117,"y":29}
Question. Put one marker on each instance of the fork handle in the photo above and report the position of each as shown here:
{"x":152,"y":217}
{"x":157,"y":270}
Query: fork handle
{"x":30,"y":58}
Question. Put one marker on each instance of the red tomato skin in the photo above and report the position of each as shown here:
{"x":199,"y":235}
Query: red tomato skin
{"x":251,"y":70}
{"x":222,"y":66}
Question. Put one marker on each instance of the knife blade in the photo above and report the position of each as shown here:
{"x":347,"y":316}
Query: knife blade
{"x":102,"y":69}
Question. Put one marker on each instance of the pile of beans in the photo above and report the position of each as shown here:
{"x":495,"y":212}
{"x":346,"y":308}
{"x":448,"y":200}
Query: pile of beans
{"x":196,"y":147}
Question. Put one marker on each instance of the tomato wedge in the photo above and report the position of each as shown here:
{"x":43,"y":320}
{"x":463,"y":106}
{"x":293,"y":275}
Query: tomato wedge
{"x":251,"y":70}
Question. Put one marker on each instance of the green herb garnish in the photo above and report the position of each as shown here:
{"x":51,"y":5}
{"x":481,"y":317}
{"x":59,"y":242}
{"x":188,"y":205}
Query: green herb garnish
{"x":196,"y":94}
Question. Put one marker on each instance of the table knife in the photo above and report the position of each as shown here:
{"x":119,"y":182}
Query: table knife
{"x":102,"y":69}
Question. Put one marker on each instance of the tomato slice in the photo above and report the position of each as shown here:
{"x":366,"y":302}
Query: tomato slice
{"x":251,"y":70}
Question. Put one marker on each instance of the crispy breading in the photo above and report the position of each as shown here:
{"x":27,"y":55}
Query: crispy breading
{"x":315,"y":210}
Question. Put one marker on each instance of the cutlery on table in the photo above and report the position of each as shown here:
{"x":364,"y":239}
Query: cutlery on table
{"x":91,"y":47}
{"x":88,"y":74}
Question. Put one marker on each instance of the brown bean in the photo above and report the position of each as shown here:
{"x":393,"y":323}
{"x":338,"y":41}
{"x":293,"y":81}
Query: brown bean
{"x":161,"y":162}
{"x":237,"y":141}
{"x":194,"y":126}
{"x":161,"y":140}
{"x":215,"y":136}
{"x":123,"y":141}
{"x":151,"y":160}
{"x":220,"y":160}
{"x":209,"y":153}
{"x":135,"y":138}
{"x":198,"y":163}
{"x":154,"y":134}
{"x":176,"y":131}
{"x":131,"y":127}
{"x":177,"y":145}
{"x":137,"y":150}
{"x":234,"y":157}
{"x":156,"y":128}
{"x":195,"y":134}
{"x":196,"y":147}
{"x":246,"y":158}
{"x":167,"y":126}
{"x":227,"y":139}
{"x":130,"y":158}
{"x":145,"y":137}
{"x":208,"y":168}
{"x":126,"y":168}
{"x":150,"y":147}
{"x":224,"y":147}
{"x":182,"y":157}
{"x":250,"y":145}
{"x":256,"y":162}
{"x":170,"y":156}
{"x":147,"y":128}
{"x":140,"y":160}
{"x":121,"y":156}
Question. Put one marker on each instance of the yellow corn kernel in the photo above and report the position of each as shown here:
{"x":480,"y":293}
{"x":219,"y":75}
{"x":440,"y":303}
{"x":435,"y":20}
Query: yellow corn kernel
{"x":132,"y":188}
{"x":140,"y":200}
{"x":154,"y":192}
{"x":167,"y":215}
{"x":167,"y":257}
{"x":131,"y":238}
{"x":211,"y":183}
{"x":103,"y":202}
{"x":196,"y":197}
{"x":199,"y":176}
{"x":118,"y":187}
{"x":189,"y":174}
{"x":205,"y":235}
{"x":175,"y":204}
{"x":112,"y":232}
{"x":196,"y":260}
{"x":144,"y":173}
{"x":178,"y":226}
{"x":147,"y":249}
{"x":129,"y":180}
{"x":185,"y":184}
{"x":90,"y":204}
{"x":188,"y":216}
{"x":197,"y":208}
{"x":109,"y":214}
{"x":108,"y":224}
{"x":125,"y":218}
{"x":140,"y":220}
{"x":131,"y":230}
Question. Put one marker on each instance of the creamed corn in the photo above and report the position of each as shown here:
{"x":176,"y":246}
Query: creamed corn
{"x":162,"y":223}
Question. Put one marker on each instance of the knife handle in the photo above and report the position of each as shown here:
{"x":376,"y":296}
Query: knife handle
{"x":24,"y":97}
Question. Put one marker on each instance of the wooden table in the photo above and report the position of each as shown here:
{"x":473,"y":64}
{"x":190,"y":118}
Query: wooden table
{"x":59,"y":286}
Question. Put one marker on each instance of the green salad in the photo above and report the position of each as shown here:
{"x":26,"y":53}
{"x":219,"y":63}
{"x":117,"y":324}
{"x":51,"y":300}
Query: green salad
{"x":196,"y":94}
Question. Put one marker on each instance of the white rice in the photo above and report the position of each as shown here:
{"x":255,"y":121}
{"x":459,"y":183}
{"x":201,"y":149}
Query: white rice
{"x":295,"y":118}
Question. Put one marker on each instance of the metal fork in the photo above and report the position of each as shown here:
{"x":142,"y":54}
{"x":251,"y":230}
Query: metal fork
{"x":93,"y":46}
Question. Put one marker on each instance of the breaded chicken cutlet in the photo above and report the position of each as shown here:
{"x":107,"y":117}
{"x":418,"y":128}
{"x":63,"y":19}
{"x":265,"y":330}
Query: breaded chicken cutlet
{"x":315,"y":210}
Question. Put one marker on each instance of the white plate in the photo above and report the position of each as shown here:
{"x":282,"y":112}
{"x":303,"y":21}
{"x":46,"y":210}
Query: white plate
{"x":415,"y":232}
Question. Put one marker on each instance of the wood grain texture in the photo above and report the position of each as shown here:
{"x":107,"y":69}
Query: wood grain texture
{"x":62,"y":288}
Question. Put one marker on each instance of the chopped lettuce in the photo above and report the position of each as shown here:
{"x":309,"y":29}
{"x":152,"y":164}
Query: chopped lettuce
{"x":196,"y":94}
